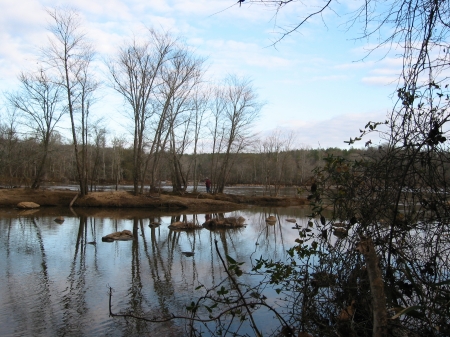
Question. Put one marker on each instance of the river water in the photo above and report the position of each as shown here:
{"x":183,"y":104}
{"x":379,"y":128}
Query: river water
{"x":54,"y":279}
{"x":257,"y":190}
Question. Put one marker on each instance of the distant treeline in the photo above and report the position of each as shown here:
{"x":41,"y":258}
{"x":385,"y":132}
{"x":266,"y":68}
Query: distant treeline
{"x":19,"y":159}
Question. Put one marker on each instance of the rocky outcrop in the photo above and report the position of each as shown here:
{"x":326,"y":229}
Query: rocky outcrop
{"x":27,"y":205}
{"x":231,"y":222}
{"x":184,"y":225}
{"x":124,"y":235}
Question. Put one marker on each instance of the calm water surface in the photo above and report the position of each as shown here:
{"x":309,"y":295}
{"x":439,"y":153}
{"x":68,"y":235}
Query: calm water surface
{"x":55,"y":283}
{"x":256,"y":190}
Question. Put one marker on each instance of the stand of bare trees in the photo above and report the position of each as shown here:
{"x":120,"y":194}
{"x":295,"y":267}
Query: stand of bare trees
{"x":181,"y":80}
{"x":136,"y":74}
{"x":111,"y":164}
{"x":167,"y":100}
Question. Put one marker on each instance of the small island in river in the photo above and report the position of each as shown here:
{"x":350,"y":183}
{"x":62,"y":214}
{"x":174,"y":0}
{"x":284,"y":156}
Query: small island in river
{"x":198,"y":202}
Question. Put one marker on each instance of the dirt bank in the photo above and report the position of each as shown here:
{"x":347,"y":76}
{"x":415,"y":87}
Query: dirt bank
{"x":200,"y":202}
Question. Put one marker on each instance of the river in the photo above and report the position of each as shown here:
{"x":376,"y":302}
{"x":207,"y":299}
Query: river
{"x":55,"y":276}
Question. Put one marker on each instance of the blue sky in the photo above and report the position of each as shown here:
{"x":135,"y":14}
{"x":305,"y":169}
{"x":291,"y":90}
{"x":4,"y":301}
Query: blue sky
{"x":313,"y":81}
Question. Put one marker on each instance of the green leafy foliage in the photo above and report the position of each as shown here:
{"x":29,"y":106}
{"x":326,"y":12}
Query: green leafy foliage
{"x":234,"y":266}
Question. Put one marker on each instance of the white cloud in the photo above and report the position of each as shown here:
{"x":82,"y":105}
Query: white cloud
{"x":355,"y":65}
{"x":334,"y":131}
{"x":330,"y":78}
{"x":386,"y":71}
{"x":291,"y":77}
{"x":380,"y":80}
{"x":20,"y":16}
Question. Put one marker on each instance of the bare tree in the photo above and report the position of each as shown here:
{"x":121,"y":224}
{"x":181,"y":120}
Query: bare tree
{"x":39,"y":100}
{"x":181,"y":78}
{"x":116,"y":164}
{"x":200,"y":107}
{"x":171,"y":110}
{"x":70,"y":55}
{"x":86,"y":99}
{"x":135,"y":74}
{"x":217,"y":129}
{"x":97,"y":161}
{"x":240,"y":109}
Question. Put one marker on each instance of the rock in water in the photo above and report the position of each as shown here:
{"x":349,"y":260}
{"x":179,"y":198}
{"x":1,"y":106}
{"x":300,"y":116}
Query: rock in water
{"x":28,"y":204}
{"x":340,"y":232}
{"x":120,"y":236}
{"x":59,"y":220}
{"x":230,"y":222}
{"x":180,"y":225}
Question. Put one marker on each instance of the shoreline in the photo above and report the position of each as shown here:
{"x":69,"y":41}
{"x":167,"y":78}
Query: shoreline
{"x":198,"y":202}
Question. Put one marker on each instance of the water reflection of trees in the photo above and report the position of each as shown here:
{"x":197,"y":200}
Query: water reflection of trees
{"x":29,"y":295}
{"x":73,"y":298}
{"x":161,"y":253}
{"x":159,"y":279}
{"x":269,"y":239}
{"x":326,"y":290}
{"x":326,"y":284}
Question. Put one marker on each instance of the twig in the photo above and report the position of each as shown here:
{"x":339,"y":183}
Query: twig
{"x":73,"y":200}
{"x":238,"y":289}
{"x":162,"y":320}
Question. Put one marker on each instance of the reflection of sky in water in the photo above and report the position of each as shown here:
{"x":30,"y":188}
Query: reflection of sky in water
{"x":55,"y":283}
{"x":243,"y":190}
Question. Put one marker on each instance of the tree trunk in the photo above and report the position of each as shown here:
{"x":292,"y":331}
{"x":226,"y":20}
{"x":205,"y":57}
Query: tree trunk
{"x":367,"y":248}
{"x":37,"y":179}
